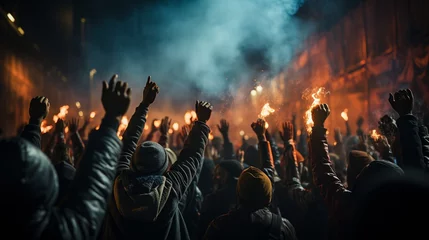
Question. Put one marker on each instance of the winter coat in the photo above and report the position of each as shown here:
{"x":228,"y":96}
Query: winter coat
{"x":148,"y":206}
{"x":30,"y":181}
{"x":245,"y":223}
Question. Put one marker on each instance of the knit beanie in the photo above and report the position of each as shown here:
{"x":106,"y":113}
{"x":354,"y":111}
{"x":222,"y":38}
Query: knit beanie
{"x":254,"y":188}
{"x":233,"y":167}
{"x":150,"y":159}
{"x":358,"y":160}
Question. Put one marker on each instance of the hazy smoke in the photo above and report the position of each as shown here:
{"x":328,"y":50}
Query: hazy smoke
{"x":199,"y":44}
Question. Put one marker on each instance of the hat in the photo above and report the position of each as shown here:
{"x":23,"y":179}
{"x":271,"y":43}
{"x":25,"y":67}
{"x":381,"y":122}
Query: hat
{"x":358,"y":160}
{"x":374,"y":174}
{"x":150,"y":159}
{"x":254,"y":188}
{"x":233,"y":167}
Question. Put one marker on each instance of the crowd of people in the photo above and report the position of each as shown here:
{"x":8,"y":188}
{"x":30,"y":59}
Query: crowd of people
{"x":302,"y":187}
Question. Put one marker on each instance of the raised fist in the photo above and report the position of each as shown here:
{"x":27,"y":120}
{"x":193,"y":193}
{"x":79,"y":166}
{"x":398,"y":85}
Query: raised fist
{"x":203,"y":110}
{"x":259,"y":127}
{"x":39,"y":108}
{"x":402,"y":101}
{"x":320,"y":113}
{"x":115,"y":97}
{"x":150,"y":92}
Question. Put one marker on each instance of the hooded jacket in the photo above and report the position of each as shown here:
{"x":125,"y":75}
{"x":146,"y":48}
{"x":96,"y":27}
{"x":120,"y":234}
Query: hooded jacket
{"x":147,"y":206}
{"x":340,"y":201}
{"x":29,"y":180}
{"x":245,"y":223}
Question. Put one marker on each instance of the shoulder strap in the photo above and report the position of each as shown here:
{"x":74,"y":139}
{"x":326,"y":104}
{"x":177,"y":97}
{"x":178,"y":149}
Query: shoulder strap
{"x":276,"y":226}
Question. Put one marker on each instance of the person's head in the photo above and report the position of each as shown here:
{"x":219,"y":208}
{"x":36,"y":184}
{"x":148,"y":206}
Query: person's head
{"x":217,"y":143}
{"x":374,"y":174}
{"x":150,"y":159}
{"x":251,"y":156}
{"x":227,"y":171}
{"x":29,"y":185}
{"x":396,"y":207}
{"x":358,"y":160}
{"x":254,"y":189}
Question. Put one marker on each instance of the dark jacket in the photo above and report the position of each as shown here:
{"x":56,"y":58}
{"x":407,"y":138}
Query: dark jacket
{"x":65,"y":172}
{"x":32,"y":214}
{"x":216,"y":204}
{"x":340,"y":201}
{"x":411,"y":144}
{"x":244,"y":223}
{"x":148,"y":206}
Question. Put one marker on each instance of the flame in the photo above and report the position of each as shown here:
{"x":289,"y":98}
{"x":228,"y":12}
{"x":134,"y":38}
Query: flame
{"x":266,"y":125}
{"x":146,"y":127}
{"x":80,"y":114}
{"x":189,"y":115}
{"x":298,"y":132}
{"x":66,"y":130}
{"x":176,"y":126}
{"x":374,"y":135}
{"x":316,"y":95}
{"x":157,"y":123}
{"x":78,"y":104}
{"x":170,"y":131}
{"x":122,"y":127}
{"x":266,"y":111}
{"x":211,"y":136}
{"x":92,"y":115}
{"x":64,"y":110}
{"x":344,"y":115}
{"x":44,"y":128}
{"x":241,"y":133}
{"x":98,"y":127}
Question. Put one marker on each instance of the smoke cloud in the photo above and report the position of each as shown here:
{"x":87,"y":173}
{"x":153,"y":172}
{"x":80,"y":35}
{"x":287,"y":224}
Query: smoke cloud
{"x":198,"y":46}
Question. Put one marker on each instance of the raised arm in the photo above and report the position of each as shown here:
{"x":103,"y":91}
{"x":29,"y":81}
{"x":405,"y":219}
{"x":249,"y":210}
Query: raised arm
{"x":228,"y":148}
{"x":190,"y":159}
{"x":78,"y":145}
{"x":132,"y":134}
{"x":408,"y":126}
{"x":266,"y":163}
{"x":274,"y":150}
{"x":81,"y":215}
{"x":164,"y":128}
{"x":39,"y":109}
{"x":324,"y":177}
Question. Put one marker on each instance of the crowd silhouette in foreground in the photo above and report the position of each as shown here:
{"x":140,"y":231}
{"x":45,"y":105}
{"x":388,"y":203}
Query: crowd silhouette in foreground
{"x":193,"y":188}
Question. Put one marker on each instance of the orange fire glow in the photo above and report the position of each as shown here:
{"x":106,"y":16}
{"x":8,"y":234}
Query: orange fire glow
{"x":266,"y":111}
{"x":64,"y":110}
{"x":189,"y":115}
{"x":146,"y":127}
{"x":374,"y":135}
{"x":344,"y":115}
{"x":157,"y":123}
{"x":266,"y":125}
{"x":211,"y":136}
{"x":170,"y":131}
{"x":122,"y":127}
{"x":315,"y":95}
{"x":176,"y":126}
{"x":66,"y":130}
{"x":92,"y":115}
{"x":44,"y":128}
